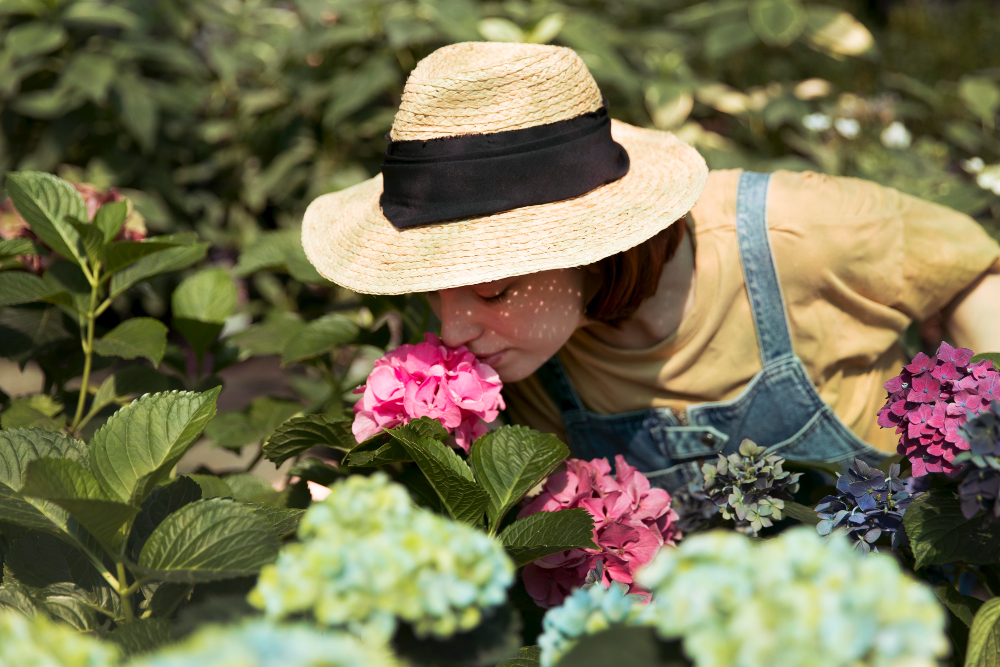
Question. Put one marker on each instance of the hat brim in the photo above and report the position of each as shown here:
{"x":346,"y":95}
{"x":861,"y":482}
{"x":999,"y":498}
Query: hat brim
{"x":351,"y":243}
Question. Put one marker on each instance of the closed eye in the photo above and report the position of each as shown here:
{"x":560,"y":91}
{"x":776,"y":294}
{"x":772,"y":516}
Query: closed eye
{"x":497,"y":298}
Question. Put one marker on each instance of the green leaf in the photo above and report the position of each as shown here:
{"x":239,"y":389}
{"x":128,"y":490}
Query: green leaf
{"x":206,"y":296}
{"x":250,"y":487}
{"x":100,"y":15}
{"x":527,"y":656}
{"x":992,"y":356}
{"x":140,"y":443}
{"x":141,"y":636}
{"x":725,"y":39}
{"x":161,"y":503}
{"x":359,"y":86}
{"x":140,"y":111}
{"x":511,"y":460}
{"x":212,"y":486}
{"x":126,"y":253}
{"x":17,"y":597}
{"x":18,"y":448}
{"x":450,"y":476}
{"x":981,"y":96}
{"x":300,"y":434}
{"x":380,"y":449}
{"x":64,"y":276}
{"x":606,"y":648}
{"x":13,"y":247}
{"x":940,"y":533}
{"x":545,"y":533}
{"x":963,"y":606}
{"x":109,"y":220}
{"x":34,"y":38}
{"x":984,"y":637}
{"x":281,"y":520}
{"x":91,"y":238}
{"x":38,"y":411}
{"x":130,"y":380}
{"x":777,"y":22}
{"x":208,"y":540}
{"x":800,"y":512}
{"x":68,"y":484}
{"x":135,"y":337}
{"x":270,"y":336}
{"x":164,"y":261}
{"x":17,"y":287}
{"x":45,"y":202}
{"x":318,"y":337}
{"x":256,"y":422}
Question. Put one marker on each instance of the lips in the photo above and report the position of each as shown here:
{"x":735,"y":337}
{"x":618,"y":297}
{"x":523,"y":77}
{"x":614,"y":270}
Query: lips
{"x":491,"y":359}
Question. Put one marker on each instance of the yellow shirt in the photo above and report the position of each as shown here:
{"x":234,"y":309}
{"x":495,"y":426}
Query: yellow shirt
{"x":857,"y":263}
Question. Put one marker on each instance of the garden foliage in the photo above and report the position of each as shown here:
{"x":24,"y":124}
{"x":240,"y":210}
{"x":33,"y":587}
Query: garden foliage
{"x":188,"y":136}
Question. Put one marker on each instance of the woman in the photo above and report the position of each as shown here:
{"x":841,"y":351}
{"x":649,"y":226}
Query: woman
{"x":633,"y":302}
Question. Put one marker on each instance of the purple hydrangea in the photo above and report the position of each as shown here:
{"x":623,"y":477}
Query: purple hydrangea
{"x":931,"y":399}
{"x":868,"y":505}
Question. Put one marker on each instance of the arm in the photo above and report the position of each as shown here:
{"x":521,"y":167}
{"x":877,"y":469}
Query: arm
{"x":973,"y":317}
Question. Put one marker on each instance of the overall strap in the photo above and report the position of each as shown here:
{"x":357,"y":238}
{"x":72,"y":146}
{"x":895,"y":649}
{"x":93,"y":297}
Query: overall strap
{"x":556,"y":383}
{"x":759,"y":270}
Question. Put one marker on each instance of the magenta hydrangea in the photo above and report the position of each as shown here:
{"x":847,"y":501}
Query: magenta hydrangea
{"x":429,"y":379}
{"x":931,"y":399}
{"x":631,"y":522}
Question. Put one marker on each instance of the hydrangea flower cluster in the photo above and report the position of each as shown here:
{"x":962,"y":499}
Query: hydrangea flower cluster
{"x":39,"y":641}
{"x":429,"y":379}
{"x":368,"y":556}
{"x":586,"y":611}
{"x":796,"y":599}
{"x":631,"y":522}
{"x":930,"y":400}
{"x":980,"y":486}
{"x":749,"y":486}
{"x":263,"y":644}
{"x":868,"y":504}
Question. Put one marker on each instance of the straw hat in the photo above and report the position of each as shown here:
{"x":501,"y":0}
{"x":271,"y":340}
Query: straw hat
{"x":483,"y":88}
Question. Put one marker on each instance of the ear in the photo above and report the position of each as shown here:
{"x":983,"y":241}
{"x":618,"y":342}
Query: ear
{"x":593,"y":278}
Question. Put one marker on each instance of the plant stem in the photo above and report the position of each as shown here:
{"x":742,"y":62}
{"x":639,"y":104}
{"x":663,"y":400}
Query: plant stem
{"x":125,"y":593}
{"x":88,"y":348}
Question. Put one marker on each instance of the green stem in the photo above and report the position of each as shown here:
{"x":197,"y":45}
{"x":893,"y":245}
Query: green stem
{"x":256,"y":459}
{"x":88,"y":349}
{"x":126,"y":593}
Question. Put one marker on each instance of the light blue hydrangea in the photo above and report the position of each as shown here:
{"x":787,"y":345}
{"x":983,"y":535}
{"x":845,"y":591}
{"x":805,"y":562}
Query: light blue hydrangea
{"x":587,"y":611}
{"x":796,"y":599}
{"x":39,"y":642}
{"x":260,"y":643}
{"x":368,"y":556}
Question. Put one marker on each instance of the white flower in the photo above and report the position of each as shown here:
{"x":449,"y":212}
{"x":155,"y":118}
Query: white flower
{"x":896,"y":136}
{"x":368,"y":556}
{"x":816,"y":122}
{"x":974,"y":165}
{"x":847,"y":127}
{"x":989,"y":178}
{"x":796,"y":599}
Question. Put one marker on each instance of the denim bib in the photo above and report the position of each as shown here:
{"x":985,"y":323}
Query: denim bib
{"x":779,"y":408}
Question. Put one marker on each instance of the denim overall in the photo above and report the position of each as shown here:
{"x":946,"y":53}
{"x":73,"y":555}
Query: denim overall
{"x":779,"y":408}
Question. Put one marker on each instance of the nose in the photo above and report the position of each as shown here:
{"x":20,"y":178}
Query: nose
{"x":459,"y":317}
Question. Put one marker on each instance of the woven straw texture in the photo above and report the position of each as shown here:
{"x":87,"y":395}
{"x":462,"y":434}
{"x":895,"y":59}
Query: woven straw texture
{"x":482,"y":87}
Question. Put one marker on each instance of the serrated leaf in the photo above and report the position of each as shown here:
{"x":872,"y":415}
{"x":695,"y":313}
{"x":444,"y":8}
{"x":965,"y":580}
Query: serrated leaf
{"x":270,"y":336}
{"x":256,"y":422}
{"x":300,"y":434}
{"x":212,"y":486}
{"x":109,"y":220}
{"x":71,"y":486}
{"x":38,"y":411}
{"x":122,"y":254}
{"x":992,"y":356}
{"x":131,"y":380}
{"x":18,"y":448}
{"x":141,"y":636}
{"x":140,"y":443}
{"x":450,"y":476}
{"x":281,"y":520}
{"x":17,"y":597}
{"x":208,"y":540}
{"x":511,"y":460}
{"x":939,"y":532}
{"x":67,"y":603}
{"x":17,"y":287}
{"x":206,"y":296}
{"x":91,"y":238}
{"x":984,"y":636}
{"x":963,"y":606}
{"x":250,"y":487}
{"x":13,"y":247}
{"x":161,"y":503}
{"x":135,"y":337}
{"x":67,"y":277}
{"x":319,"y":337}
{"x":546,"y":533}
{"x":45,"y":202}
{"x":167,"y":596}
{"x":163,"y":261}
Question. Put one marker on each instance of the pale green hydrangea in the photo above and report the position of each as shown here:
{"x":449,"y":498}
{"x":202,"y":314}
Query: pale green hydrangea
{"x":39,"y":642}
{"x":368,"y":556}
{"x":796,"y":599}
{"x":585,"y":612}
{"x":262,"y":644}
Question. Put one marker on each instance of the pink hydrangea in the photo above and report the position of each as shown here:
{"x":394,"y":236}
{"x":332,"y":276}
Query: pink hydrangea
{"x":429,"y":379}
{"x":928,"y":402}
{"x":631,"y":522}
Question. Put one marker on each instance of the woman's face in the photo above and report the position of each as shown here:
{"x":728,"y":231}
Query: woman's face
{"x":514,"y":324}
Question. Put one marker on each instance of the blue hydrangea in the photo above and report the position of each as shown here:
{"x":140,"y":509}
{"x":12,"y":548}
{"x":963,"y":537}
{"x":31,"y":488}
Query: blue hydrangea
{"x":585,"y":611}
{"x":39,"y":642}
{"x":797,"y":599}
{"x":868,"y":505}
{"x":263,"y":644}
{"x":368,"y":556}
